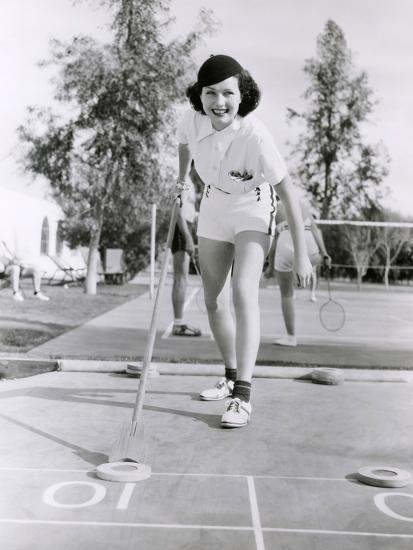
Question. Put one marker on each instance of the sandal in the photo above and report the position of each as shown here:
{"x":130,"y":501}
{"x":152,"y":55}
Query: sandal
{"x":185,"y":330}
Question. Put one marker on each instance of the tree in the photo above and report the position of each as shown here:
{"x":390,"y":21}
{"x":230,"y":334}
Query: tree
{"x":332,"y":162}
{"x":362,"y":244}
{"x":392,"y":241}
{"x":107,"y":159}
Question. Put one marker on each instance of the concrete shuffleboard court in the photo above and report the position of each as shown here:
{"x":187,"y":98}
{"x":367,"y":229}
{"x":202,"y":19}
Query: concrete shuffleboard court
{"x":287,"y":481}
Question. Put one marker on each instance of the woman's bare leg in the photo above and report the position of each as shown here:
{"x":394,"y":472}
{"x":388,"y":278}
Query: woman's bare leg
{"x":285,"y":281}
{"x":13,"y":271}
{"x":313,"y":297}
{"x":34,"y":274}
{"x":251,"y":249}
{"x":215,"y":259}
{"x":180,"y":282}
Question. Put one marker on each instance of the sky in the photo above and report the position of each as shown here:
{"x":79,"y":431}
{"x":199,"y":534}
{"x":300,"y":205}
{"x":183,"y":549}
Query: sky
{"x":271,"y":38}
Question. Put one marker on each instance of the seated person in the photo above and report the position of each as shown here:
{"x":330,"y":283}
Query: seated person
{"x":13,"y":268}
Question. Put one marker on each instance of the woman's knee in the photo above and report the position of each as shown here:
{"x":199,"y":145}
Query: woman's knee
{"x":180,"y":280}
{"x":216,"y":302}
{"x":244,"y":295}
{"x":211,"y":303}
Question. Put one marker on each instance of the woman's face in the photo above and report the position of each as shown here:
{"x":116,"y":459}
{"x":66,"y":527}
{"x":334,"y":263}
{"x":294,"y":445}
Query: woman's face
{"x":221,"y":102}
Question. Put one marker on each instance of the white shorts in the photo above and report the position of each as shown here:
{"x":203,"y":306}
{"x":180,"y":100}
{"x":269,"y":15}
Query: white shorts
{"x":284,"y":252}
{"x":224,"y":215}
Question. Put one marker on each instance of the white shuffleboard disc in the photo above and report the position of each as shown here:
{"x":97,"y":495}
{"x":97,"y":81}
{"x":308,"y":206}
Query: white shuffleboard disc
{"x":135,"y":369}
{"x":327,"y":376}
{"x":384,"y":476}
{"x":123,"y":471}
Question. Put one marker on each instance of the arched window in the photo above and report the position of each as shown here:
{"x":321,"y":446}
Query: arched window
{"x":44,"y":244}
{"x":59,"y":238}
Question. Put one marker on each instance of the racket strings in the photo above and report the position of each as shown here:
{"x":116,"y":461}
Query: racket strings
{"x":332,"y":314}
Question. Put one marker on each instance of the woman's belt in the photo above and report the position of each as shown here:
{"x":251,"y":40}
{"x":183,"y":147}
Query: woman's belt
{"x":283,"y":227}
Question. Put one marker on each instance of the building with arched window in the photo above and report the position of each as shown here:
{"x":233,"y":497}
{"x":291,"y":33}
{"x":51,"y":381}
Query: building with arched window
{"x":31,"y":229}
{"x":45,"y":236}
{"x":59,"y":238}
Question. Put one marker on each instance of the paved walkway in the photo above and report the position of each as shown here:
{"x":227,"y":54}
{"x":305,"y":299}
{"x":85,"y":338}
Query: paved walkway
{"x":378,"y":331}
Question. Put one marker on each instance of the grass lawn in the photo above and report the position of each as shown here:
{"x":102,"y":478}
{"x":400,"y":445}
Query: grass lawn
{"x":25,"y":325}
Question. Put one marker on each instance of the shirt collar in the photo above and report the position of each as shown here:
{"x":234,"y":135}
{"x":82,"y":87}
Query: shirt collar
{"x":206,"y":129}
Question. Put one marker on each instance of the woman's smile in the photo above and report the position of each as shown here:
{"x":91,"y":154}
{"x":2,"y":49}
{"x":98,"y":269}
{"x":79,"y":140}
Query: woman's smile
{"x":219,"y":112}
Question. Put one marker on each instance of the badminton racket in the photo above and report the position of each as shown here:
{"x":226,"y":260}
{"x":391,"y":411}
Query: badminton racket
{"x":332,"y":314}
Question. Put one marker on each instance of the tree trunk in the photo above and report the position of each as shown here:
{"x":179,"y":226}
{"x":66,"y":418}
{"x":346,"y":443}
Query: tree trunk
{"x":92,"y":259}
{"x":387,"y":264}
{"x":325,"y":207}
{"x":386,"y":275}
{"x":359,"y":278}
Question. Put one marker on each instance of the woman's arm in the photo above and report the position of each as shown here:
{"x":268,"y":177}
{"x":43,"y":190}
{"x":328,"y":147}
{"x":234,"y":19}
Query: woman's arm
{"x":317,"y":234}
{"x":184,"y":157}
{"x":302,"y":265}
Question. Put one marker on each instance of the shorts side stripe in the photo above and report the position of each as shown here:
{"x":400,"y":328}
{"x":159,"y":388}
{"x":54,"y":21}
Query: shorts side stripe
{"x":271,"y":227}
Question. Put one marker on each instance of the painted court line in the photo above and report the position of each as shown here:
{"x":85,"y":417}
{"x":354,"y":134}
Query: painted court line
{"x":195,"y":474}
{"x":203,"y":527}
{"x":332,"y":532}
{"x":255,"y":514}
{"x":256,"y":528}
{"x":125,"y":496}
{"x":401,"y":319}
{"x":126,"y":524}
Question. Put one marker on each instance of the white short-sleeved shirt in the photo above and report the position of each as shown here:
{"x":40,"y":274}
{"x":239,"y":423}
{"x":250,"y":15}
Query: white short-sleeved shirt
{"x":246,"y":146}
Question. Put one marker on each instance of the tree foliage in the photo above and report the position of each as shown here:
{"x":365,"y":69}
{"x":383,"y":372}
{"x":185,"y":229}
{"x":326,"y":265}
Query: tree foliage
{"x":331,"y":159}
{"x":394,"y":244}
{"x":109,"y":157}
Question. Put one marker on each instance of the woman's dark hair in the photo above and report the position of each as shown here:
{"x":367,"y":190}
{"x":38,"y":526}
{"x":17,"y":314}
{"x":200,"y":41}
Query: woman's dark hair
{"x":250,"y":94}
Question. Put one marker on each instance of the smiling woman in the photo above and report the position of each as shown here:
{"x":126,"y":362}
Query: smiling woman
{"x":236,"y":158}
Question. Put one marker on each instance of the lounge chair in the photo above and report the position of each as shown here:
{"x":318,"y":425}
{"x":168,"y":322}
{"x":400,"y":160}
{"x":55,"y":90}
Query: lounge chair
{"x":114,"y":266}
{"x":69,"y":274}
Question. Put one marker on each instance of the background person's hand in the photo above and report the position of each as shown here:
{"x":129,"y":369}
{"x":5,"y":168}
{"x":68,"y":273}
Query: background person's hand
{"x":269,"y":273}
{"x":303,"y":271}
{"x":327,"y":261}
{"x":189,"y":244}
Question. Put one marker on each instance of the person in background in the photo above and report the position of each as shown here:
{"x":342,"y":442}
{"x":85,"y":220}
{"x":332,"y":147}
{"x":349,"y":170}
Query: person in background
{"x":281,"y":262}
{"x":12,"y":267}
{"x":183,"y":248}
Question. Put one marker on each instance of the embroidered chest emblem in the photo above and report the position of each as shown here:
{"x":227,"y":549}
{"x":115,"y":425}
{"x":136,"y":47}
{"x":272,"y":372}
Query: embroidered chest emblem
{"x":246,"y":175}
